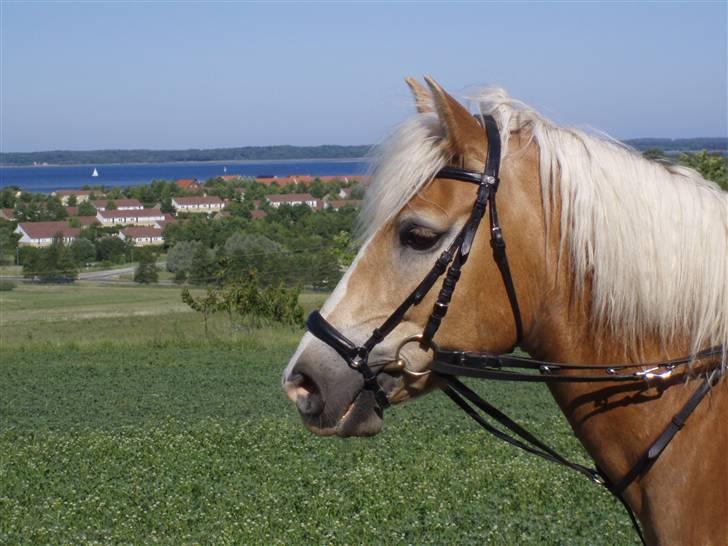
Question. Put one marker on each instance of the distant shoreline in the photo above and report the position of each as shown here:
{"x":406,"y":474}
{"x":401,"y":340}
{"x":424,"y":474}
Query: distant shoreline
{"x":144,"y":156}
{"x":187,"y":162}
{"x":282,"y":153}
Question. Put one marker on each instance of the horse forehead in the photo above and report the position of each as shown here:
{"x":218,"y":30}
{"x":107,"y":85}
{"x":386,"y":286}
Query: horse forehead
{"x":443,"y":196}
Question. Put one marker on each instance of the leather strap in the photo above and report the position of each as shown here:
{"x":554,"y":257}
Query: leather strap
{"x":643,"y":465}
{"x":505,"y":367}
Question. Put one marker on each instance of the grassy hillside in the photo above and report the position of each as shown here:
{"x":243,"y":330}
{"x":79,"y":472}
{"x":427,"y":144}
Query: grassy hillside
{"x":134,"y":428}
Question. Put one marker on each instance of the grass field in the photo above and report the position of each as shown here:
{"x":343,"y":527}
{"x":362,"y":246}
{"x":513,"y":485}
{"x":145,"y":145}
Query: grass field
{"x":121,"y":423}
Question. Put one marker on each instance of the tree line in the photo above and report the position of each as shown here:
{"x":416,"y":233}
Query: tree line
{"x":98,"y":157}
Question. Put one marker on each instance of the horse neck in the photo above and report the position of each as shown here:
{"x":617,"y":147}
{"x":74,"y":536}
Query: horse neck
{"x":617,"y":423}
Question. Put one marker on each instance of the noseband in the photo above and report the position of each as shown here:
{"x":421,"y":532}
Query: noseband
{"x":449,"y":363}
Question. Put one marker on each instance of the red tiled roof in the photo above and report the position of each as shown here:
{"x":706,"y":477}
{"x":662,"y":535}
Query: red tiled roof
{"x":186,"y":182}
{"x":46,"y":230}
{"x":141,"y":231}
{"x":258,"y":214}
{"x":338,"y":203}
{"x":290,"y":197}
{"x":72,"y":211}
{"x":271,"y":180}
{"x":202,"y":200}
{"x":8,"y":214}
{"x":144,"y":213}
{"x":118,"y":202}
{"x":87,"y":220}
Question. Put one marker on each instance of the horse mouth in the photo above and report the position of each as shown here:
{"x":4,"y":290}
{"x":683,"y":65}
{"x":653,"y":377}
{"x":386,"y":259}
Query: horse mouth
{"x":361,"y":415}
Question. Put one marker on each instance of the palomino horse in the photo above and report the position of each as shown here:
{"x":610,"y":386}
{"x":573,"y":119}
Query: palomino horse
{"x":612,"y":258}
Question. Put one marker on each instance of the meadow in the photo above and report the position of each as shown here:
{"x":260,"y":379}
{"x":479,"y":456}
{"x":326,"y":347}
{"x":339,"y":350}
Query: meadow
{"x":121,"y":423}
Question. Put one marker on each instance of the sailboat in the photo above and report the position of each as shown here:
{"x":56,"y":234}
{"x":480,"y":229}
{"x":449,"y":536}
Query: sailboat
{"x":95,"y":173}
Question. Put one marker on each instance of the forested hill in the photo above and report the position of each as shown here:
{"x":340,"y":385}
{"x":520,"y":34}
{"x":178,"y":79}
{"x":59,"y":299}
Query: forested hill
{"x":99,"y":157}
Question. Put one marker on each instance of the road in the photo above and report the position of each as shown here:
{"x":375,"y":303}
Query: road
{"x":105,"y":274}
{"x":102,"y":275}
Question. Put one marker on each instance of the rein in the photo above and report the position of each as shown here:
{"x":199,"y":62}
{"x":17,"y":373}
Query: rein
{"x":449,"y":363}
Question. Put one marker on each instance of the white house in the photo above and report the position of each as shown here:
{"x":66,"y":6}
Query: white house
{"x":208,"y":204}
{"x":41,"y":234}
{"x":63,"y":195}
{"x":120,"y":204}
{"x":144,"y":217}
{"x":276,"y":200}
{"x":142,"y":235}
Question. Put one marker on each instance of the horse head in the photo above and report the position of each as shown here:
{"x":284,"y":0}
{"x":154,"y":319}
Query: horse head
{"x":413,"y":213}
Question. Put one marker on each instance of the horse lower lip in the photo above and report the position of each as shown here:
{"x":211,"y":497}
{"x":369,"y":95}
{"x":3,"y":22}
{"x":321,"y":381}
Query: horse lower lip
{"x":310,"y":405}
{"x":349,"y":409}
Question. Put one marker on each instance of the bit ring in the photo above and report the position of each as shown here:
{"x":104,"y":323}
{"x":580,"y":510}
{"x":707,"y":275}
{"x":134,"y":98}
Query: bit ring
{"x":400,"y":364}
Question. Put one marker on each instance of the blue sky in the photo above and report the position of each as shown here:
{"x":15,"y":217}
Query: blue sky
{"x":177,"y":75}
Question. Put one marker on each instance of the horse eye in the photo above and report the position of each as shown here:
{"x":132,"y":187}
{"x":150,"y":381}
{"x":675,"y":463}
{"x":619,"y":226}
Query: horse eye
{"x":418,"y":237}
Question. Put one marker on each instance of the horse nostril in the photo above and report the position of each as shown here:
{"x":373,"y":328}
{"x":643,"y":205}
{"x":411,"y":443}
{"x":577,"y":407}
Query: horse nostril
{"x":303,"y":391}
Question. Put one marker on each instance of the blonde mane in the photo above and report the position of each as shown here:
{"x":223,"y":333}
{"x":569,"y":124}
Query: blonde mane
{"x":652,"y":238}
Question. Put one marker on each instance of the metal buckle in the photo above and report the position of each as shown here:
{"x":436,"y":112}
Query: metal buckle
{"x":362,"y":356}
{"x":400,"y":364}
{"x":650,"y":373}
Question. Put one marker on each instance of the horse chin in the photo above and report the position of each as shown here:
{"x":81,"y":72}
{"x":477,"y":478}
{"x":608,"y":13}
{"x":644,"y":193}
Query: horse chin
{"x":363,"y":417}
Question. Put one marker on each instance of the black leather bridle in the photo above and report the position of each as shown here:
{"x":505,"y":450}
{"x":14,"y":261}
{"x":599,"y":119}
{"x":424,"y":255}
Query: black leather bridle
{"x":449,"y":363}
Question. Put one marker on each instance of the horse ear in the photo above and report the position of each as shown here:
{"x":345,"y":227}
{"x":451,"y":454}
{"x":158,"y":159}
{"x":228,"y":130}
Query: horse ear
{"x":464,"y":136}
{"x":423,"y":99}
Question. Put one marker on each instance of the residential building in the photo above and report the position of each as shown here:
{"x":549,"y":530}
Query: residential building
{"x":120,"y":204}
{"x":188,"y":184}
{"x":337,"y":204}
{"x":142,"y":235}
{"x":63,"y":195}
{"x":7,"y":214}
{"x":276,"y":200}
{"x":211,"y":203}
{"x":285,"y":180}
{"x":125,"y":217}
{"x":168,"y":219}
{"x":41,"y":234}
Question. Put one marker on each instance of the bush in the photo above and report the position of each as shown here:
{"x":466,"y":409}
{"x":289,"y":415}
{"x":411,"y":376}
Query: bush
{"x":180,"y":277}
{"x":245,"y":298}
{"x":147,"y":270}
{"x":7,"y":286}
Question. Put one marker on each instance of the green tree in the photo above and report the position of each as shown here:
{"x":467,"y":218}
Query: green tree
{"x":52,"y":264}
{"x":202,"y":268}
{"x":111,"y":249}
{"x":8,"y":241}
{"x":712,"y":166}
{"x":86,"y":209}
{"x":147,"y":270}
{"x":72,"y":200}
{"x":110,"y":205}
{"x":55,"y":209}
{"x":654,"y":153}
{"x":179,"y":257}
{"x":83,"y":251}
{"x":205,"y":305}
{"x":7,"y":197}
{"x":344,"y":249}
